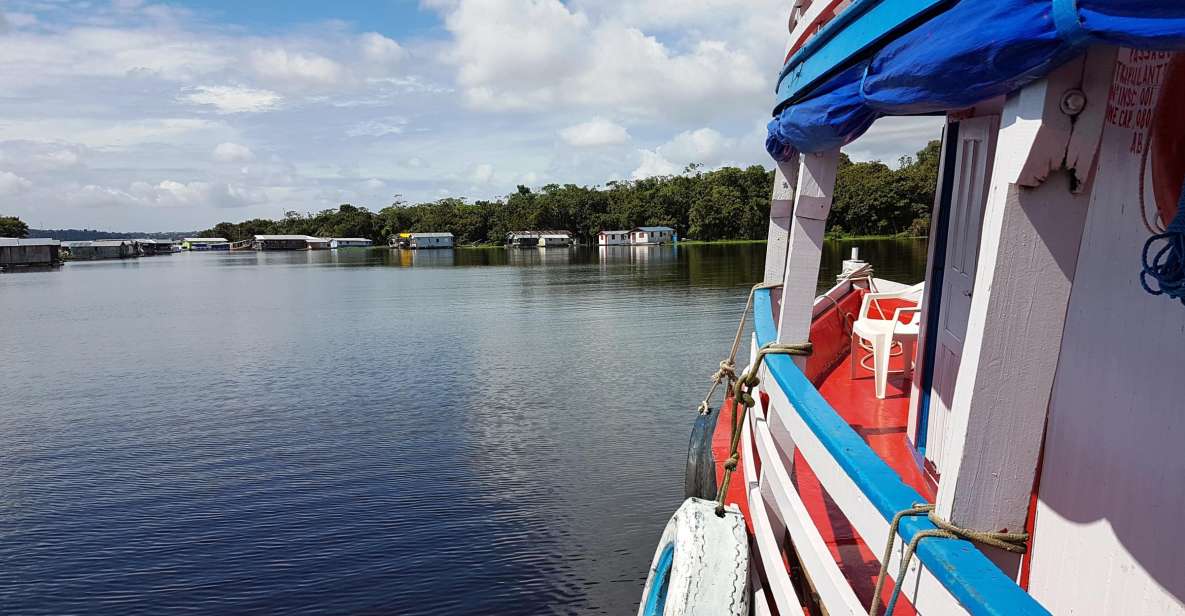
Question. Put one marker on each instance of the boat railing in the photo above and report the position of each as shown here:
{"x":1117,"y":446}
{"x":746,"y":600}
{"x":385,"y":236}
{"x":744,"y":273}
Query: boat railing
{"x":946,"y":576}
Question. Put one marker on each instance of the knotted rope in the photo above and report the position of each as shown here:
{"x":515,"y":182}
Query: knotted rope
{"x":742,"y":398}
{"x":1012,"y":542}
{"x":727,"y":370}
{"x":1167,"y":268}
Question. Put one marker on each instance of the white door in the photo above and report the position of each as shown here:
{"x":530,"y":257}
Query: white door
{"x":972,"y":177}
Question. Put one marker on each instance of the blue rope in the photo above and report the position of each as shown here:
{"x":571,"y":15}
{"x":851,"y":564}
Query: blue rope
{"x":1167,"y":268}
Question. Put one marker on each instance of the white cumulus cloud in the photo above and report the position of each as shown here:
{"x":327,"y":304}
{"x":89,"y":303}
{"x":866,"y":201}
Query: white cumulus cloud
{"x":228,"y":152}
{"x":596,"y":132}
{"x":280,"y":64}
{"x":653,"y":164}
{"x":380,"y":49}
{"x":11,"y":183}
{"x":233,"y":99}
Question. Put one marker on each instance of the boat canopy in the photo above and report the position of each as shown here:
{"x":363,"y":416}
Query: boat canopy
{"x":903,"y":57}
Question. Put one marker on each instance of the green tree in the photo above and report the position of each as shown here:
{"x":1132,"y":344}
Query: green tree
{"x":11,"y":226}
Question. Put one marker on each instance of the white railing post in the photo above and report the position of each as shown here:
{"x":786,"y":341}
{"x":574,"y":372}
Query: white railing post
{"x":816,"y":185}
{"x":780,"y":207}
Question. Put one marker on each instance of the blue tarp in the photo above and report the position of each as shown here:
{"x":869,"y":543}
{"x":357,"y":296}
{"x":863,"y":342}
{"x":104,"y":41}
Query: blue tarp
{"x":975,"y":50}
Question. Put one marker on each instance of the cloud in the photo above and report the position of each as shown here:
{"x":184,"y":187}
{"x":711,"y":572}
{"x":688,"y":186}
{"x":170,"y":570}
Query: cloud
{"x":228,"y":152}
{"x":380,"y":49}
{"x":233,"y":99}
{"x":653,"y":164}
{"x":531,"y":55}
{"x":705,"y":146}
{"x":167,"y":194}
{"x":381,"y":127}
{"x":483,"y":174}
{"x":11,"y":183}
{"x":596,"y":132}
{"x":278,"y":64}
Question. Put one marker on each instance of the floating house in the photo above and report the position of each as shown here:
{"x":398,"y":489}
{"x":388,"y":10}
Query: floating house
{"x":20,"y":252}
{"x":205,"y":243}
{"x":523,"y":239}
{"x":350,"y":242}
{"x":555,"y":239}
{"x":430,"y":240}
{"x":290,"y":242}
{"x":281,"y":242}
{"x":154,"y":247}
{"x":534,"y":239}
{"x":613,"y":238}
{"x":102,"y":249}
{"x":652,"y":235}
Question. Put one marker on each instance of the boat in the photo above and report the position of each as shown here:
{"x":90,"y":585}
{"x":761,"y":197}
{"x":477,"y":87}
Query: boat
{"x":1006,"y":436}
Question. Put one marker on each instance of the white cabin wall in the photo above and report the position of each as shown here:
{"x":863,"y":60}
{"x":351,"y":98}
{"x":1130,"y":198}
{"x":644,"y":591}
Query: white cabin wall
{"x":1107,"y":535}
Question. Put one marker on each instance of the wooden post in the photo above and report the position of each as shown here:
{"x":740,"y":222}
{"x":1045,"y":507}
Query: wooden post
{"x":1027,"y":262}
{"x":780,"y":208}
{"x":816,"y":185}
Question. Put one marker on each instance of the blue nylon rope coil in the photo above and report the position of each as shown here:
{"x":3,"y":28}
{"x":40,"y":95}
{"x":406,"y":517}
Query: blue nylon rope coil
{"x":1167,"y":267}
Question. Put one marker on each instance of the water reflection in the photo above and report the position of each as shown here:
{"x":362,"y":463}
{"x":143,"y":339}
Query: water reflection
{"x":360,"y":431}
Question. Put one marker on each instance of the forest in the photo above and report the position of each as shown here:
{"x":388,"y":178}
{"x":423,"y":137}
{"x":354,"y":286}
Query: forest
{"x":871,"y":199}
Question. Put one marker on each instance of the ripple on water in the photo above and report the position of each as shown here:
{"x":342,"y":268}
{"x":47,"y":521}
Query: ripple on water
{"x":304,"y":433}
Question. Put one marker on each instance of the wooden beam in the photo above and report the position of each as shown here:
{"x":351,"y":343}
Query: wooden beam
{"x":816,"y":185}
{"x":1028,"y":258}
{"x":780,"y":208}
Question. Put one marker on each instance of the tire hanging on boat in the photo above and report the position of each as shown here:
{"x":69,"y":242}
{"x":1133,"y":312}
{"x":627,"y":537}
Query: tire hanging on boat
{"x":701,"y":566}
{"x":700,"y":473}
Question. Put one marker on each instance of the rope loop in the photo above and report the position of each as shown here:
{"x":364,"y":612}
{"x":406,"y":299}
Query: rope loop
{"x":1012,"y":542}
{"x":726,"y":372}
{"x":1167,"y":268}
{"x":742,"y":397}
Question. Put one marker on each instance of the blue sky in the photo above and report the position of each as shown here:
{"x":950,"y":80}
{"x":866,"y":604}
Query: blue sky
{"x":140,"y":115}
{"x":393,"y":18}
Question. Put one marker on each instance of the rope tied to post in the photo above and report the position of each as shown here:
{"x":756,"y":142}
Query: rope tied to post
{"x":743,"y":400}
{"x":1016,"y":543}
{"x":726,"y":373}
{"x":1167,"y":267}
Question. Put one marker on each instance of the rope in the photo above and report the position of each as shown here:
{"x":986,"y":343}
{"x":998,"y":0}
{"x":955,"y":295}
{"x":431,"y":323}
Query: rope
{"x":742,"y":398}
{"x":727,"y":369}
{"x":1167,"y":267}
{"x":1012,"y":542}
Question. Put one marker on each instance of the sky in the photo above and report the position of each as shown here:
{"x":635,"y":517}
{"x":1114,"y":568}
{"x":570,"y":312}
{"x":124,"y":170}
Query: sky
{"x":149,"y":116}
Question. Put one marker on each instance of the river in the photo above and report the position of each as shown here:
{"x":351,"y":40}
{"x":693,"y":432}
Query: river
{"x":359,"y":431}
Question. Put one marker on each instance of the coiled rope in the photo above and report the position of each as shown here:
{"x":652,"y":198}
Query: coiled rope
{"x":1167,"y":268}
{"x":742,"y":401}
{"x":1012,"y":542}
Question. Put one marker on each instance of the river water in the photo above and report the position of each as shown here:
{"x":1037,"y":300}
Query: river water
{"x":367,"y":431}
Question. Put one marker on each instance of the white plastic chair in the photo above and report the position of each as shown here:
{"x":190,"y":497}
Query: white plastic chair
{"x":884,"y":332}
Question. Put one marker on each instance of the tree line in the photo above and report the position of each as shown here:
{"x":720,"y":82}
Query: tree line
{"x":729,"y":203}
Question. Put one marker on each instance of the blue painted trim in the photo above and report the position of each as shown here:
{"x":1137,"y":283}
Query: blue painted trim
{"x":1066,"y":21}
{"x":934,"y":280}
{"x":845,"y":40}
{"x":656,"y":601}
{"x":974,"y":580}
